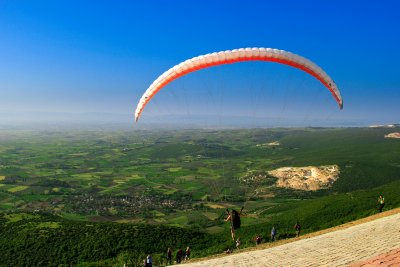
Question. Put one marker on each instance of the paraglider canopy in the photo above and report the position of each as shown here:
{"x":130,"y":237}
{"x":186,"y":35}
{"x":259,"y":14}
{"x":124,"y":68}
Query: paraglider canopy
{"x":234,"y":56}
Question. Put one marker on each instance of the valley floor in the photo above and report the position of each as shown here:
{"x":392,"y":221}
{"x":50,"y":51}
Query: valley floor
{"x":371,"y":241}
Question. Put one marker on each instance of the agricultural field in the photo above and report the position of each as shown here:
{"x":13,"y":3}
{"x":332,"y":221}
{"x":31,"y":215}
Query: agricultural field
{"x":180,"y":177}
{"x":186,"y":179}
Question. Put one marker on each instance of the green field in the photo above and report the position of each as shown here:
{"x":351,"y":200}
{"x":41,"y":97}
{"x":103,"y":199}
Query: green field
{"x":187,"y":179}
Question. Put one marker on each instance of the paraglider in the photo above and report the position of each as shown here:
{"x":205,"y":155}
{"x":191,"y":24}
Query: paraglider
{"x":235,"y":56}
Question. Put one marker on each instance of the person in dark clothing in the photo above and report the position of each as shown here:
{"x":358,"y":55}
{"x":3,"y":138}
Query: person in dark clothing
{"x":234,"y":218}
{"x":297,"y":227}
{"x":149,"y":261}
{"x":179,"y":255}
{"x":381,"y":203}
{"x":169,"y":256}
{"x":258,"y":240}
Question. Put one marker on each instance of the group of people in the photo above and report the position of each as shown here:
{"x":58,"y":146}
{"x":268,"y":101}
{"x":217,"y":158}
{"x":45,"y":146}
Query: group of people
{"x":234,"y":219}
{"x":297,"y":228}
{"x":179,"y":256}
{"x":148,"y":262}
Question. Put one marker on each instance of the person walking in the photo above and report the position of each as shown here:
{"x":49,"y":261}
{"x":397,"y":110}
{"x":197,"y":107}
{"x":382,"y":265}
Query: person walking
{"x":179,"y":255}
{"x":187,"y":254}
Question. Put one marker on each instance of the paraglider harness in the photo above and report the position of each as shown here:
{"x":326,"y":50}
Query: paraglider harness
{"x":235,"y":218}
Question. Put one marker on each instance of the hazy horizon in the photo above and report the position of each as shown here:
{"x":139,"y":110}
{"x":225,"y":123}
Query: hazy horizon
{"x":32,"y":120}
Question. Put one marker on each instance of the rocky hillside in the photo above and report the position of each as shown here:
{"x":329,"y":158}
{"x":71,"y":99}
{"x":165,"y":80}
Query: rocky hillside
{"x":393,"y":135}
{"x":310,"y":178}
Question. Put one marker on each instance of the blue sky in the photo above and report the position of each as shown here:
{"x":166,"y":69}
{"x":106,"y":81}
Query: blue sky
{"x":100,"y":56}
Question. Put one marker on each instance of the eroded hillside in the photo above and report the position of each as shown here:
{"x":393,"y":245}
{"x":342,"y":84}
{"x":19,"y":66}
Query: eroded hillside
{"x":310,"y":178}
{"x":393,"y":135}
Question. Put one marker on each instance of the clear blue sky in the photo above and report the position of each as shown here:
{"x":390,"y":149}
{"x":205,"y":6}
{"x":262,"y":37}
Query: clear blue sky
{"x":100,"y":56}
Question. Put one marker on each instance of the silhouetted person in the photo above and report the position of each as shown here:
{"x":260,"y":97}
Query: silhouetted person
{"x":169,"y":256}
{"x":179,"y":255}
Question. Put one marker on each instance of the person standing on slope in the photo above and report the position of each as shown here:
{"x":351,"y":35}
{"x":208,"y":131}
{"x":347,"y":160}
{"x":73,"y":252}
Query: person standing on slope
{"x":258,"y":240}
{"x":149,"y":261}
{"x":381,"y":203}
{"x":297,"y":227}
{"x":273,"y":234}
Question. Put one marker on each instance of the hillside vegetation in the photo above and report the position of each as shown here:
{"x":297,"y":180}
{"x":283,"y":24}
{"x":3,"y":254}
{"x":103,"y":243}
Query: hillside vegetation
{"x":61,"y":193}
